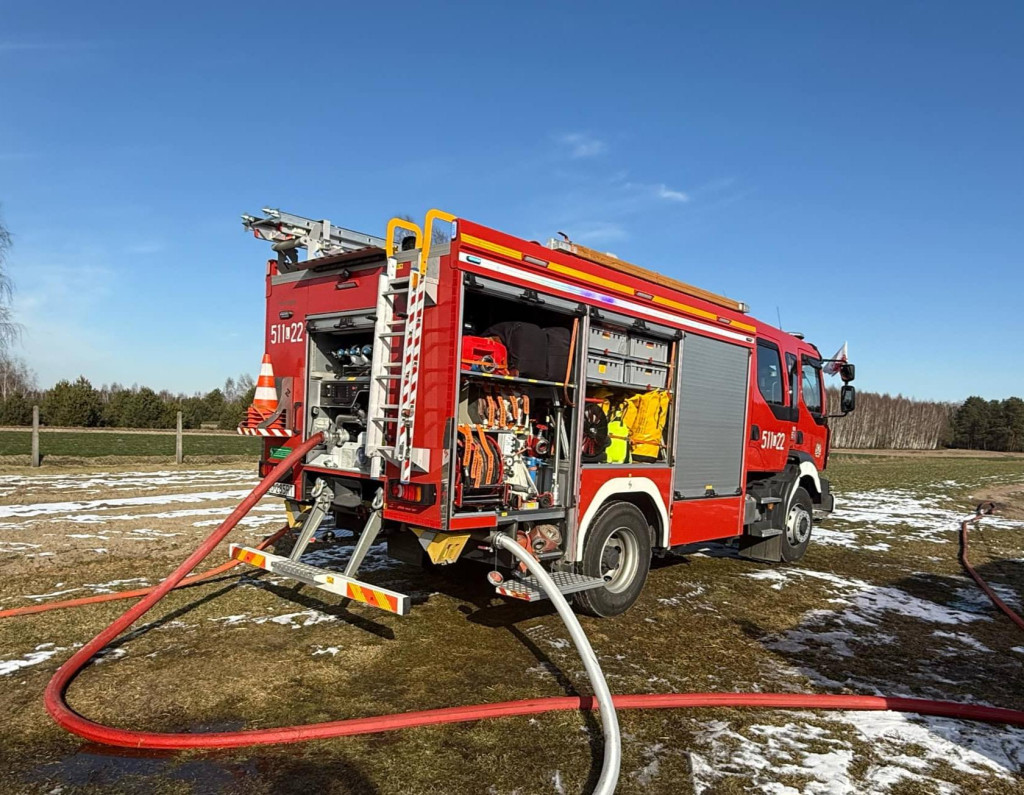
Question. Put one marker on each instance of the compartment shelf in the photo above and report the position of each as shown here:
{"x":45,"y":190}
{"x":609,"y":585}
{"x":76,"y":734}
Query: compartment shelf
{"x":515,"y":379}
{"x":624,"y":387}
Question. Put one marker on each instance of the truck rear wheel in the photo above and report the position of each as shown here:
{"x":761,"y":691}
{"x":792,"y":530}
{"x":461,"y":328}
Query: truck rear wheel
{"x":618,"y":550}
{"x":799,"y":523}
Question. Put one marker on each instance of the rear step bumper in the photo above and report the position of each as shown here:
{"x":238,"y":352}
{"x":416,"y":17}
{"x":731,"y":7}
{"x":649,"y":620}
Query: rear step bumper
{"x":324,"y":579}
{"x":529,"y":590}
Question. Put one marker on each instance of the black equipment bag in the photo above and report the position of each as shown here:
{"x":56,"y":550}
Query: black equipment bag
{"x":558,"y":352}
{"x":526,"y":344}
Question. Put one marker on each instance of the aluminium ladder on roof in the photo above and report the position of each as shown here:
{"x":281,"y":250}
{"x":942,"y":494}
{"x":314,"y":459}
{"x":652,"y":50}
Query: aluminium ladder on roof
{"x":287,"y":233}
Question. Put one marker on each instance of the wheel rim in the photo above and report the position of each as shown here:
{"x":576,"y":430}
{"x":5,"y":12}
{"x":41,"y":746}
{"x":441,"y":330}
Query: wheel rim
{"x":798,"y":525}
{"x":620,"y":558}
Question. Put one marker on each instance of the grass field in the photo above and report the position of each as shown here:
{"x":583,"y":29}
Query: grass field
{"x":131,"y":444}
{"x":878,"y":605}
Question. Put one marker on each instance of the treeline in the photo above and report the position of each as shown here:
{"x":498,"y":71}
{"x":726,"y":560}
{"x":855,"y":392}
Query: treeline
{"x":981,"y":424}
{"x":80,"y":404}
{"x":899,"y":423}
{"x":888,"y":422}
{"x":881,"y":421}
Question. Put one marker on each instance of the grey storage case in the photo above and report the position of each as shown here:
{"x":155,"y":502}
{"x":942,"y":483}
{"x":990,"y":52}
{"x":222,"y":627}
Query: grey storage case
{"x":604,"y":368}
{"x":606,"y":340}
{"x":648,"y":349}
{"x":653,"y":376}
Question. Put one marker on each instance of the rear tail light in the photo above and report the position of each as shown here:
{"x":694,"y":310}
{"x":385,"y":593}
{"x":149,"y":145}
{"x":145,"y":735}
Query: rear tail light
{"x":414,"y":493}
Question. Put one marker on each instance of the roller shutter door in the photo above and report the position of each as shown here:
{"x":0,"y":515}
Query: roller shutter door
{"x":710,"y":417}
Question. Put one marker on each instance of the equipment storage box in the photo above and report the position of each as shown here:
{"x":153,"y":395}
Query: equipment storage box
{"x":653,"y":376}
{"x":604,"y":340}
{"x":603,"y":368}
{"x":647,"y":349}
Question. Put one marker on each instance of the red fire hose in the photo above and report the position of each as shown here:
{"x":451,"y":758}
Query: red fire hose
{"x":984,"y":509}
{"x":90,"y":730}
{"x":137,"y":592}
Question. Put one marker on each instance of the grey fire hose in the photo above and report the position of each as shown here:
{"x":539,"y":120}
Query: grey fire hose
{"x":609,"y":720}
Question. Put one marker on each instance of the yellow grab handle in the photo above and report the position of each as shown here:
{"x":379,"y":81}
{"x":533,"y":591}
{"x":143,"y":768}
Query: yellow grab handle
{"x":401,"y":223}
{"x":428,"y":225}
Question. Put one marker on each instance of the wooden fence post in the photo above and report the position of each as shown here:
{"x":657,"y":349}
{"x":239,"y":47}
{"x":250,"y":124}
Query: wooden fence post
{"x":35,"y":436}
{"x":179,"y":455}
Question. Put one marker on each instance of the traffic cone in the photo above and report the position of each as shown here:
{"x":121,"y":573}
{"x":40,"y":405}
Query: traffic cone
{"x":264,"y":402}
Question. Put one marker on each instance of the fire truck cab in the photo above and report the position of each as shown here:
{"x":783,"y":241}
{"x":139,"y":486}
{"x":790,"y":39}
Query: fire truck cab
{"x":468,"y":382}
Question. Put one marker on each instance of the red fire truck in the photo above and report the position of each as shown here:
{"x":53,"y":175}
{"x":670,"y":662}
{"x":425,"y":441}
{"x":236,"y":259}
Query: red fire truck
{"x":468,"y":382}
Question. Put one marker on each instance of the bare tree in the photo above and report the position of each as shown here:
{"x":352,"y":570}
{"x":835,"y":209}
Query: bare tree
{"x":15,"y":377}
{"x":892,"y":422}
{"x":10,"y":330}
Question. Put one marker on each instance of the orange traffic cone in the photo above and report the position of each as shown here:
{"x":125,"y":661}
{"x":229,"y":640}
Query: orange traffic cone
{"x":264,"y":403}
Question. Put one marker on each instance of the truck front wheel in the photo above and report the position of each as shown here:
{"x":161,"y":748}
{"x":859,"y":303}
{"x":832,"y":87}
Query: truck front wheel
{"x":799,"y":522}
{"x":618,"y":550}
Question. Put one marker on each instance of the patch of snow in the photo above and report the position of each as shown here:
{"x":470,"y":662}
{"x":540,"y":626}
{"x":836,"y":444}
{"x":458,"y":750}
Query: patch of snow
{"x":963,"y":638}
{"x":49,"y":508}
{"x":775,"y":576}
{"x":652,"y":756}
{"x":971,"y":748}
{"x":42,"y":653}
{"x":910,"y":749}
{"x":126,"y":481}
{"x":865,"y":519}
{"x":303,"y":618}
{"x":154,"y":533}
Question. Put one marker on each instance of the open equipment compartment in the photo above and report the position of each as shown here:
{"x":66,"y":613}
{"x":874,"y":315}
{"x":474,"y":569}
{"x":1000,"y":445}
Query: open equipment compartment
{"x":337,"y":388}
{"x":517,"y":394}
{"x":630,"y":375}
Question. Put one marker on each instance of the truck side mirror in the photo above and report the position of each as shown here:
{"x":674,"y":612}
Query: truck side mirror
{"x":847,"y":399}
{"x":846,"y":372}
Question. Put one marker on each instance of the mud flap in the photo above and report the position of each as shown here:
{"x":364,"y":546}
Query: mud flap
{"x":768,"y":550}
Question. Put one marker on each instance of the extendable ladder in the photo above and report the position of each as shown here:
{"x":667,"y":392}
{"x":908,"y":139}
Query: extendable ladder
{"x":288,"y":233}
{"x":400,"y":320}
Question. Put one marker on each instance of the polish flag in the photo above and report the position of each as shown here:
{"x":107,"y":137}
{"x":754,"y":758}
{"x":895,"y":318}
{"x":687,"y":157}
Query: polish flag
{"x":839,"y":359}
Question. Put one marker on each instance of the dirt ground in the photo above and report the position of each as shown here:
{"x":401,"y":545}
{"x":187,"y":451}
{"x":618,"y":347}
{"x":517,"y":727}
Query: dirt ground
{"x":878,"y":606}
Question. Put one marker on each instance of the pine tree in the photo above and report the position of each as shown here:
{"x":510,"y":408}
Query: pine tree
{"x":72,"y":404}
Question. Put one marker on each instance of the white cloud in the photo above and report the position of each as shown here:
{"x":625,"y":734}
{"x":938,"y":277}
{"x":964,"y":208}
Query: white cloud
{"x":582,"y":144}
{"x":663,"y":191}
{"x":658,"y":190}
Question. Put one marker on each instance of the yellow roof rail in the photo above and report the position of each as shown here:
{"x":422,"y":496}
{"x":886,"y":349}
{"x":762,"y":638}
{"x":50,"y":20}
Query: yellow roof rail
{"x":642,"y":273}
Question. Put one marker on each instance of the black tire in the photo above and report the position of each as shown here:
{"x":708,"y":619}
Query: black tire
{"x":796,"y":535}
{"x":618,"y":544}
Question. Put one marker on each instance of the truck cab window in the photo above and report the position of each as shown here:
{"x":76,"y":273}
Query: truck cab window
{"x":769,"y":374}
{"x":792,"y":378}
{"x":811,"y":386}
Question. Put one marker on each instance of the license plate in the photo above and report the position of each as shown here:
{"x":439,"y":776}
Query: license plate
{"x":286,"y":490}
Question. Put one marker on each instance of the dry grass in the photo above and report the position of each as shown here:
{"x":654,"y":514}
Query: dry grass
{"x":703,"y":623}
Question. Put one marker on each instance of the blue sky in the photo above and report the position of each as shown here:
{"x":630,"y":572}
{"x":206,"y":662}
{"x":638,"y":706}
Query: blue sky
{"x":857,"y":167}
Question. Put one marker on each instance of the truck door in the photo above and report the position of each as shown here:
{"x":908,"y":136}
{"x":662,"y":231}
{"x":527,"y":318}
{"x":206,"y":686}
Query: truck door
{"x":770,"y":416}
{"x":812,"y":410}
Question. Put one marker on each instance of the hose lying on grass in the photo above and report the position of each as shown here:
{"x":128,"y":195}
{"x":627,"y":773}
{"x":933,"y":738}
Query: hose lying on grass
{"x":96,"y":732}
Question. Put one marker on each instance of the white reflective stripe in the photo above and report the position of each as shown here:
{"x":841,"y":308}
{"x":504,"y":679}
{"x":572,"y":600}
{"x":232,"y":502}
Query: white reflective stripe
{"x":601,"y":298}
{"x":627,"y":485}
{"x":266,"y":392}
{"x":267,"y":369}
